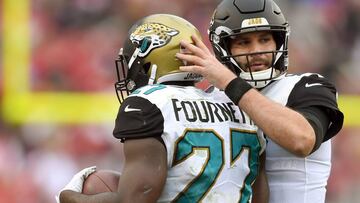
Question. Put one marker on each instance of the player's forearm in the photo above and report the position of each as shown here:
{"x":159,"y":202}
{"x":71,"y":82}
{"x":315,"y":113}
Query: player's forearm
{"x":284,"y":126}
{"x":69,"y":196}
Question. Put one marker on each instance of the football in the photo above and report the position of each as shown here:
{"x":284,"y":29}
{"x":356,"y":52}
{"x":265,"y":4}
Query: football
{"x":101,"y":181}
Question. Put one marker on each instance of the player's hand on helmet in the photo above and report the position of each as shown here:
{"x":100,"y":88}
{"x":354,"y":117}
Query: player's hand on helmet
{"x":205,"y":63}
{"x":76,"y":183}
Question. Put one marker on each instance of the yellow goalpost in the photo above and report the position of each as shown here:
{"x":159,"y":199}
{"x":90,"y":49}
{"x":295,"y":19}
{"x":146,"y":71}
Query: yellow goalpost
{"x":21,"y":105}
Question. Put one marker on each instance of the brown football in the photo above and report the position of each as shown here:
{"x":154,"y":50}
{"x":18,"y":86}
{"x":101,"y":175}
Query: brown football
{"x":101,"y":181}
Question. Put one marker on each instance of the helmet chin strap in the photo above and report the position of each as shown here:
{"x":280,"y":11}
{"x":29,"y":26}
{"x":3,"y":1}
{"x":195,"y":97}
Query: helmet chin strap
{"x":278,"y":54}
{"x":133,"y":57}
{"x":152,"y":74}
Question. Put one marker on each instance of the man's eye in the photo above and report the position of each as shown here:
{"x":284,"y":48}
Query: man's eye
{"x":242,"y":42}
{"x":265,"y":39}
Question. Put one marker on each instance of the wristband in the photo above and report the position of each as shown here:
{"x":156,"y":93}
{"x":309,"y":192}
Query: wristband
{"x":236,"y":89}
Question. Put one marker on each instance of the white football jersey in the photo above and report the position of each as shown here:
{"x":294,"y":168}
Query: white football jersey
{"x":294,"y":179}
{"x":212,"y":147}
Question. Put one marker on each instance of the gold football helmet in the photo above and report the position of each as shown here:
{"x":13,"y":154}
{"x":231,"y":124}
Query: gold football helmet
{"x":148,"y":55}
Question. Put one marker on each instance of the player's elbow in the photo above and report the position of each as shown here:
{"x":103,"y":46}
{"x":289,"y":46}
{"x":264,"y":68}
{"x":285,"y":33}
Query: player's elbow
{"x":305,"y":143}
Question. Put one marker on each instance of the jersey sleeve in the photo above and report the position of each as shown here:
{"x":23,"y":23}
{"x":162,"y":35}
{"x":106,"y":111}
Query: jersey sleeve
{"x":315,"y":91}
{"x":138,"y":118}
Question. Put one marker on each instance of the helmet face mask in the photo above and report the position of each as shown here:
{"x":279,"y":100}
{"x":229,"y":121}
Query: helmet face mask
{"x":121,"y":72}
{"x":148,"y":54}
{"x":236,"y":17}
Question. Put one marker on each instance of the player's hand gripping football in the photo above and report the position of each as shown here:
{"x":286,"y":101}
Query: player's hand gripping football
{"x":76,"y":183}
{"x":205,"y":63}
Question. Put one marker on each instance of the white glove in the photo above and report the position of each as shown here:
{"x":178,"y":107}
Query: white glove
{"x":77,"y":181}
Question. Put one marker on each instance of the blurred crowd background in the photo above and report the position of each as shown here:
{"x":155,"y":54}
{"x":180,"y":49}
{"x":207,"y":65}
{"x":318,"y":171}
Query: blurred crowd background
{"x":73,"y":47}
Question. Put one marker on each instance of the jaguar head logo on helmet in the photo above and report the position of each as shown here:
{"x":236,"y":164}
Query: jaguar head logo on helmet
{"x":148,"y":54}
{"x":156,"y":34}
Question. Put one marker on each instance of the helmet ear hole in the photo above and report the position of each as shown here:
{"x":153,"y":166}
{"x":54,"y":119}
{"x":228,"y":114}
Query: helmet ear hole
{"x":146,"y":67}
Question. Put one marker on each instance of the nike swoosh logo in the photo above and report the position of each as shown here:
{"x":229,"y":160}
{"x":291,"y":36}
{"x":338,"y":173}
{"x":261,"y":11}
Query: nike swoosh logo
{"x":128,"y":109}
{"x":312,"y":85}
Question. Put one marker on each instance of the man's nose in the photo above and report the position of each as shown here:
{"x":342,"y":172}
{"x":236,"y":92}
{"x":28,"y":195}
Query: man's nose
{"x":256,"y":47}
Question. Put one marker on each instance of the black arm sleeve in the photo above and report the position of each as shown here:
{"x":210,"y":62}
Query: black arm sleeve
{"x":316,"y":98}
{"x":138,"y":118}
{"x":319,"y":120}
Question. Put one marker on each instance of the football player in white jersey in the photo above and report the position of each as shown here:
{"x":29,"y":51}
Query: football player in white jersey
{"x":298,"y":113}
{"x":181,"y":144}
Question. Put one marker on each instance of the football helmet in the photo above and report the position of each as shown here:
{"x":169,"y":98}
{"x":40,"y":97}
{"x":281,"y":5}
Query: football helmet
{"x":235,"y":17}
{"x":148,"y":54}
